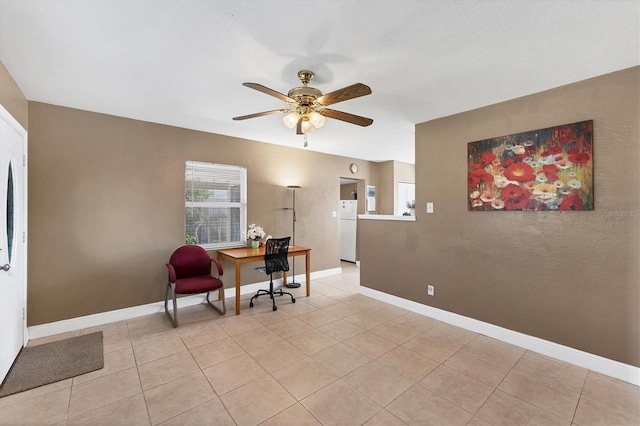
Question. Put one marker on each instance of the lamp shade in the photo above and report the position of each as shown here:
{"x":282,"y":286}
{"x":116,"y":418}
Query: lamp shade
{"x":307,"y":127}
{"x":290,"y":120}
{"x":316,"y":119}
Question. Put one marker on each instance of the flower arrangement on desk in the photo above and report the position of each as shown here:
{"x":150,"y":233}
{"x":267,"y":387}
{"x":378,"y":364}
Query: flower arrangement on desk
{"x":255,"y":234}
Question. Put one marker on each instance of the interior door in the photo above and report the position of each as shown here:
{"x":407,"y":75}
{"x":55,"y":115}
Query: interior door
{"x":13,"y":277}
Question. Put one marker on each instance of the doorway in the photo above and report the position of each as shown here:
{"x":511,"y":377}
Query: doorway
{"x":350,"y":206}
{"x":13,"y":252}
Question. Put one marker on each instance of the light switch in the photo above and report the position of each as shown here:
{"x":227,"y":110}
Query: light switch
{"x":429,"y":207}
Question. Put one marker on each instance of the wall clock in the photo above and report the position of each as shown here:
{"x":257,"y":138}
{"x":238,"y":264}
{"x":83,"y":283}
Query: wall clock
{"x":354,"y":168}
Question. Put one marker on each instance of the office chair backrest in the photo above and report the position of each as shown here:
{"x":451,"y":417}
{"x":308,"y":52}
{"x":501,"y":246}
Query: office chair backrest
{"x":275,"y":257}
{"x":191,"y":261}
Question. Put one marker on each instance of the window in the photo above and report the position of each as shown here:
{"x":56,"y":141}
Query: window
{"x":406,"y":199}
{"x":215,"y":205}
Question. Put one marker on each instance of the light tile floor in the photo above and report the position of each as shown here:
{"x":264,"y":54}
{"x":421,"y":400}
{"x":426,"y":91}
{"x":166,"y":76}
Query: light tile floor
{"x":335,"y":358}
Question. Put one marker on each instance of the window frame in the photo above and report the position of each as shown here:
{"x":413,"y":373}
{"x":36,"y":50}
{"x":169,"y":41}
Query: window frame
{"x":405,"y":190}
{"x":217,"y":171}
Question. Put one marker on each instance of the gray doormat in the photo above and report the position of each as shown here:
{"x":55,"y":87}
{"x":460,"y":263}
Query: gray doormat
{"x":51,"y":362}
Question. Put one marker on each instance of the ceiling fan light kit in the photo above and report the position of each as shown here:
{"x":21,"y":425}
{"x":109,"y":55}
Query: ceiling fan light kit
{"x":308,"y":106}
{"x":316,"y":119}
{"x":306,"y":126}
{"x":290,"y":120}
{"x":311,"y":120}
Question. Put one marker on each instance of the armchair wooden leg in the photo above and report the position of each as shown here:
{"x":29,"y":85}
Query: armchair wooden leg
{"x":221,"y":297}
{"x":174,"y":318}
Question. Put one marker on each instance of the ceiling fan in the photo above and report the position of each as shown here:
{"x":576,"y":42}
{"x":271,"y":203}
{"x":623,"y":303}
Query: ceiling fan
{"x":308,"y":106}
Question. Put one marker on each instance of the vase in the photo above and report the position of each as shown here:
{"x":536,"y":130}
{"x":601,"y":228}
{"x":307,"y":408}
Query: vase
{"x":255,"y":244}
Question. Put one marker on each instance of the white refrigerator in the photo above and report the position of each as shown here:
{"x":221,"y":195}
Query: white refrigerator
{"x":348,"y":228}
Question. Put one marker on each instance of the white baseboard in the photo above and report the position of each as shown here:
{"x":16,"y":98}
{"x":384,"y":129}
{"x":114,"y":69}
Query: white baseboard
{"x":606,"y":366}
{"x":78,"y":323}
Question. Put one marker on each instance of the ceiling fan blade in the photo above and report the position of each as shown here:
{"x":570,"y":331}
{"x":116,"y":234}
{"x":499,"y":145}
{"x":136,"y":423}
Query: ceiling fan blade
{"x":345,"y":116}
{"x":344,"y":94}
{"x":299,"y":127}
{"x":264,"y":89}
{"x":260,"y":114}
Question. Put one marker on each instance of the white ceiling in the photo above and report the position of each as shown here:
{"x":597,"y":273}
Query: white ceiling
{"x":183,"y":63}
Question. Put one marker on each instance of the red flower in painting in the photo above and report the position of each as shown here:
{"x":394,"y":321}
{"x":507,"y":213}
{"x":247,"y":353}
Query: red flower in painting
{"x":581,"y":158}
{"x":478,"y":173}
{"x":511,"y":191}
{"x":514,"y":197}
{"x":573,"y":202}
{"x":520,"y":172}
{"x":482,"y":175}
{"x":487,"y":158}
{"x":475,"y":166}
{"x":554,"y":150}
{"x":472,"y":180}
{"x":506,"y":163}
{"x":566,"y":135}
{"x":550,"y":172}
{"x":518,"y":203}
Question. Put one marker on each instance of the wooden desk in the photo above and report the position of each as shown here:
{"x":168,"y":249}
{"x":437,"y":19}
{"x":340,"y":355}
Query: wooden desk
{"x":242,"y":255}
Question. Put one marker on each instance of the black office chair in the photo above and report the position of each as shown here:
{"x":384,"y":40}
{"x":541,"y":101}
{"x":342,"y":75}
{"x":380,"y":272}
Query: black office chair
{"x":275,"y":260}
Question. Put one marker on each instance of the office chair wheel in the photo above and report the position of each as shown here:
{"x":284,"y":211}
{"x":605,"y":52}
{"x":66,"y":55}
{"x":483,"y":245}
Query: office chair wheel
{"x":275,"y":308}
{"x":293,"y":300}
{"x":251,"y":304}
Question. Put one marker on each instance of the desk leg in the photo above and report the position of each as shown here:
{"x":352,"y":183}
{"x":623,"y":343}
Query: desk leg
{"x":307,"y":258}
{"x":238,"y":267}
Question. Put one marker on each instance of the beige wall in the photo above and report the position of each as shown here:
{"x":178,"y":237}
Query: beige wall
{"x":106,"y":206}
{"x":385,"y":189}
{"x":404,"y":172}
{"x":391,"y":173}
{"x":12,"y":98}
{"x":567,"y":277}
{"x":362,"y":191}
{"x":346,"y":191}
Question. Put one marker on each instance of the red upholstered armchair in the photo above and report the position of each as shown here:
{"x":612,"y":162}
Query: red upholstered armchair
{"x":190,"y":273}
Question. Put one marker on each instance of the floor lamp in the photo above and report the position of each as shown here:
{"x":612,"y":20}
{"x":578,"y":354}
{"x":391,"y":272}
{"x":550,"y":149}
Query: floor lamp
{"x":293,"y":283}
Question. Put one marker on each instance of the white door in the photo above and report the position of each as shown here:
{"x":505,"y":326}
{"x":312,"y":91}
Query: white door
{"x":13,"y":262}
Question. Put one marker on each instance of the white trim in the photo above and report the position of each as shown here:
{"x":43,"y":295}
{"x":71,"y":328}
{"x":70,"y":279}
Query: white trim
{"x":606,"y":366}
{"x":387,"y":217}
{"x":78,"y":323}
{"x":15,"y":125}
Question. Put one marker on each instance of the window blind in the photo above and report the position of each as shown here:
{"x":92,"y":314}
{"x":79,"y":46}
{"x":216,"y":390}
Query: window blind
{"x":215,"y":204}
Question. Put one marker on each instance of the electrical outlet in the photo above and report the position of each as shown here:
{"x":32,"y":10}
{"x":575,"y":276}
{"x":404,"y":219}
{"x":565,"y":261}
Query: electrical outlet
{"x":430,"y":290}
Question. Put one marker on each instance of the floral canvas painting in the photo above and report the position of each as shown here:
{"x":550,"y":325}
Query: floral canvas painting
{"x":546,"y":169}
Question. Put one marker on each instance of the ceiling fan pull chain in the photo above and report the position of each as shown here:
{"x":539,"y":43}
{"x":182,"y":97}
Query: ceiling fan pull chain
{"x":305,"y":140}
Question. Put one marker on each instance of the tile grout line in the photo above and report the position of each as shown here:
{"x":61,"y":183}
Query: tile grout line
{"x":338,"y":378}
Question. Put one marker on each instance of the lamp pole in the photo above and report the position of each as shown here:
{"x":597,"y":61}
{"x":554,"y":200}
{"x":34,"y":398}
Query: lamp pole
{"x":293,"y":283}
